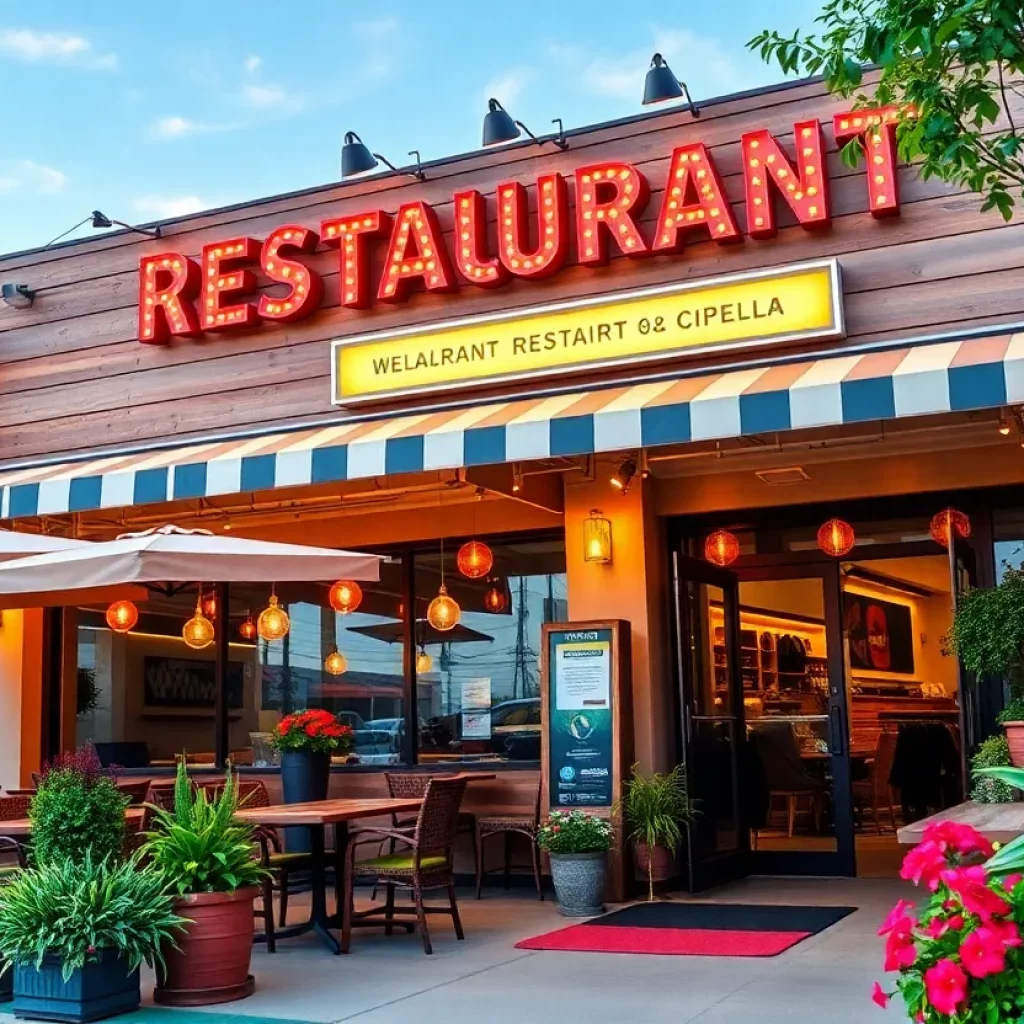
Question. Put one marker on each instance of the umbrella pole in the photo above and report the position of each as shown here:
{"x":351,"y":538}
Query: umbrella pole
{"x":220,"y":697}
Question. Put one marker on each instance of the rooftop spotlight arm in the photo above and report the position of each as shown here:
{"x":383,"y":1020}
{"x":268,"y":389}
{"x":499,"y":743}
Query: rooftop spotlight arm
{"x":560,"y":140}
{"x":689,"y":102}
{"x":151,"y":232}
{"x":65,"y":234}
{"x":416,"y":172}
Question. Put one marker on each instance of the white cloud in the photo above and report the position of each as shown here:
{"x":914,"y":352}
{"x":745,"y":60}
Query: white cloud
{"x":164,"y":129}
{"x":54,"y":47}
{"x":265,"y":96}
{"x":161,"y":207}
{"x":30,"y":176}
{"x":253,"y":63}
{"x":507,"y":88}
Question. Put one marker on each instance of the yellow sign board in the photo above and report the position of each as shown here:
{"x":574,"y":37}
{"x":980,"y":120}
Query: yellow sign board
{"x":635,"y":327}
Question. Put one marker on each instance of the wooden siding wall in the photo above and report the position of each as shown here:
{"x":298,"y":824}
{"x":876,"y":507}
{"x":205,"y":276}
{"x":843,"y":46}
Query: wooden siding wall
{"x":73,"y":376}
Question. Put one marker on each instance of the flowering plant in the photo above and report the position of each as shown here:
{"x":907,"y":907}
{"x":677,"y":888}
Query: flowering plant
{"x":314,"y":730}
{"x":961,"y":958}
{"x":574,"y":832}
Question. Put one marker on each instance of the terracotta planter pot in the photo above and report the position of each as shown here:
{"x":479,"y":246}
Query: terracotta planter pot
{"x":660,"y":861}
{"x":211,"y":964}
{"x":1015,"y":738}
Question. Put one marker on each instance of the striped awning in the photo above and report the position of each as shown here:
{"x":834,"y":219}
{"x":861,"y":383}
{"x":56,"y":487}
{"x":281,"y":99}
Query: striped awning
{"x":913,"y":380}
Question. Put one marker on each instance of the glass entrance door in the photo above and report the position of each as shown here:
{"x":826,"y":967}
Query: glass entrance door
{"x":963,"y":576}
{"x":713,"y":731}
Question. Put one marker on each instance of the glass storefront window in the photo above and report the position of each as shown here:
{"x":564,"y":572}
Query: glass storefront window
{"x":1008,"y":534}
{"x":478,"y":686}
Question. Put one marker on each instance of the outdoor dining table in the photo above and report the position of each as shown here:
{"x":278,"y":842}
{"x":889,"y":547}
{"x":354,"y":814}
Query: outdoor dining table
{"x":22,"y":827}
{"x":999,"y":823}
{"x":317,"y":815}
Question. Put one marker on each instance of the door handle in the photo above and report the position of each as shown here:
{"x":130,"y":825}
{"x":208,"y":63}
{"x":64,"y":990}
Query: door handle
{"x":835,"y":721}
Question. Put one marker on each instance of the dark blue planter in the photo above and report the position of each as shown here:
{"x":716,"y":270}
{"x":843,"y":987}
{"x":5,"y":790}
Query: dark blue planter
{"x":304,"y":776}
{"x":98,"y":990}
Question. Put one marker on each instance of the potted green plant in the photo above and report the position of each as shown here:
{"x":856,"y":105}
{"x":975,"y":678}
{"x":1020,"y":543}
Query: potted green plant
{"x":306,"y":741}
{"x":77,"y":811}
{"x":987,"y":635}
{"x":578,"y":845}
{"x":655,"y":809}
{"x":991,"y":753}
{"x":205,"y":855}
{"x":77,"y":931}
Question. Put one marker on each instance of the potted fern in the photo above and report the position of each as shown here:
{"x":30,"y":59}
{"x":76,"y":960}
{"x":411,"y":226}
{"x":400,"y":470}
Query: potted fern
{"x":655,"y":809}
{"x":206,"y":856}
{"x":77,"y":931}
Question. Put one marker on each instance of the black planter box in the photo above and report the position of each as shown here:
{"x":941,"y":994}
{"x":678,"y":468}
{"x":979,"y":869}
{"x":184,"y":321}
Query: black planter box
{"x":99,"y":990}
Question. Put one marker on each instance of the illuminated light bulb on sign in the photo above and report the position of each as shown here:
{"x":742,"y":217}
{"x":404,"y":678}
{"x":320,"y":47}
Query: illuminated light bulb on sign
{"x":122,"y":616}
{"x":443,"y":612}
{"x":168,"y":284}
{"x":550,"y":221}
{"x":345,"y":596}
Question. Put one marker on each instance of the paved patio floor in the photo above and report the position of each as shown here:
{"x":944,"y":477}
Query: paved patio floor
{"x":485,"y":980}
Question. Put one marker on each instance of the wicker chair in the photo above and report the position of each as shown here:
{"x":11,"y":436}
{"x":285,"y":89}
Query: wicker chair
{"x":161,"y":793}
{"x":507,"y":825}
{"x":427,"y":864}
{"x":13,"y":808}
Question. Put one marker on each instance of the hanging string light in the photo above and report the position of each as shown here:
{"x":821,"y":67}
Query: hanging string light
{"x":345,"y":596}
{"x":949,"y":519}
{"x":474,"y":559}
{"x":247,"y":629}
{"x":836,"y":538}
{"x":721,"y":547}
{"x":335,"y":663}
{"x":443,"y":612}
{"x":273,"y":623}
{"x":210,"y":605}
{"x":424,"y":662}
{"x":198,"y":631}
{"x":495,"y":599}
{"x":122,"y":616}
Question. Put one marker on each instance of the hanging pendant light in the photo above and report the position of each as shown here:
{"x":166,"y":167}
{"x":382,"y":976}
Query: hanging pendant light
{"x":198,"y":631}
{"x":836,"y":538}
{"x":122,"y":616}
{"x":335,"y":663}
{"x":474,"y":559}
{"x":424,"y":662}
{"x":495,"y":599}
{"x":721,"y":547}
{"x":949,"y":519}
{"x":247,"y":630}
{"x":444,"y":611}
{"x":345,"y":596}
{"x":273,"y":623}
{"x":210,"y":605}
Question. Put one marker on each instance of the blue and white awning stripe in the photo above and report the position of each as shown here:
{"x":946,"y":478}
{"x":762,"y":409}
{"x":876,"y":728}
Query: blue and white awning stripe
{"x":950,"y":376}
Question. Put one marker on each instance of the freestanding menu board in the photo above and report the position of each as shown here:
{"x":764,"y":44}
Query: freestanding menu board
{"x":587,"y":722}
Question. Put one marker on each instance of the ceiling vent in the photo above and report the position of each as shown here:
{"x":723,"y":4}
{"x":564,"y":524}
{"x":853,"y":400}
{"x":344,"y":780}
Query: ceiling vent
{"x":788,"y":475}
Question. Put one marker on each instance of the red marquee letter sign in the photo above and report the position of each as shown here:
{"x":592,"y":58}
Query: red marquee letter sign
{"x":694,"y":198}
{"x":416,"y":250}
{"x":167,"y":285}
{"x":607,"y":196}
{"x":804,"y":187}
{"x":473,"y":262}
{"x":878,"y":127}
{"x":549,"y":253}
{"x":350,"y":235}
{"x":220,"y":280}
{"x":306,"y":288}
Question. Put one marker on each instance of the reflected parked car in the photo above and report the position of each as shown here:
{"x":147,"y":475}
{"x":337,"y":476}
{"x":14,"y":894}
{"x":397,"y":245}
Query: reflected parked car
{"x":513,"y":731}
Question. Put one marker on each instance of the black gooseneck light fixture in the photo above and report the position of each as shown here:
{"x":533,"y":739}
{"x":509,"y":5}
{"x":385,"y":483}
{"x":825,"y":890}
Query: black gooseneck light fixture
{"x":501,"y":127}
{"x":661,"y":85}
{"x":357,"y":159}
{"x":16,"y":296}
{"x":97,"y":219}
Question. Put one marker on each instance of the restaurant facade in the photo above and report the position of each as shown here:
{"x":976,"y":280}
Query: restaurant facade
{"x":694,"y":373}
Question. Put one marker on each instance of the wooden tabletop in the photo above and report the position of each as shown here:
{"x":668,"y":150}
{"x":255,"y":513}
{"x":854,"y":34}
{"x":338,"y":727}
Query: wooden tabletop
{"x":23,"y":826}
{"x":325,"y":812}
{"x":999,"y":823}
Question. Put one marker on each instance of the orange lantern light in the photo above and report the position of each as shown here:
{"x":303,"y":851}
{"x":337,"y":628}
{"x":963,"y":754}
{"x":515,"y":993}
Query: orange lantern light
{"x":495,"y":599}
{"x":122,"y":616}
{"x":836,"y":538}
{"x":474,"y":559}
{"x":949,"y":519}
{"x":198,"y":631}
{"x":247,"y":630}
{"x":335,"y":663}
{"x":443,"y":612}
{"x":424,"y":662}
{"x":210,"y":605}
{"x":273,"y":623}
{"x":721,"y":547}
{"x":345,"y":596}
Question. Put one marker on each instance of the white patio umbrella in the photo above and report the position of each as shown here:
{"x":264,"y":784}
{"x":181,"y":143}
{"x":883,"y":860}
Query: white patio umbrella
{"x":22,"y":545}
{"x":160,"y":559}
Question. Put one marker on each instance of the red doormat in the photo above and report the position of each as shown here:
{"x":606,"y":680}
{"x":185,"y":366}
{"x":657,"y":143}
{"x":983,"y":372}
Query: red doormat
{"x":693,"y":929}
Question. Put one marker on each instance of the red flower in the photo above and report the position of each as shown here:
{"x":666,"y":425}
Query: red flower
{"x":982,"y":953}
{"x":1008,"y":933}
{"x":961,"y":839}
{"x":1010,"y":882}
{"x":900,"y":951}
{"x":896,"y":915}
{"x":312,"y":729}
{"x":879,"y":997}
{"x":945,"y":986}
{"x":938,"y":926}
{"x":556,"y":828}
{"x":976,"y":897}
{"x":925,"y":863}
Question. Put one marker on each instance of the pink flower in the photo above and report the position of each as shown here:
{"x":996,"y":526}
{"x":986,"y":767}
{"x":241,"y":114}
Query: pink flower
{"x":1010,"y":882}
{"x":1008,"y":933}
{"x":896,"y":915}
{"x":982,"y":953}
{"x":975,"y":895}
{"x":879,"y":997}
{"x":925,"y":863}
{"x":945,"y":986}
{"x":938,"y":926}
{"x":900,"y":951}
{"x":961,"y":839}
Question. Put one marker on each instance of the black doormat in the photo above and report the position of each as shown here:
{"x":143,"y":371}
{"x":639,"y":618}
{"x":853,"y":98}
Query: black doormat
{"x":739,"y":917}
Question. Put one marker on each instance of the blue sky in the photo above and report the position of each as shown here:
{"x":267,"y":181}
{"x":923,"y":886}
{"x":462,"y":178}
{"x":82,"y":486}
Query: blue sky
{"x":154,"y":110}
